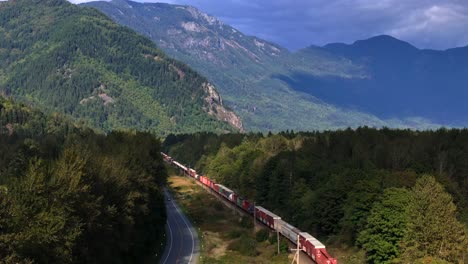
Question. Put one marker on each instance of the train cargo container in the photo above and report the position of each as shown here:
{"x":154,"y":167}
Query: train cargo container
{"x":167,"y":158}
{"x":204,"y":180}
{"x":322,"y":257}
{"x":288,"y":231}
{"x":248,"y":206}
{"x":240,"y":201}
{"x":315,"y":249}
{"x":210,"y":183}
{"x":180,"y":166}
{"x":224,"y":191}
{"x":233,"y":197}
{"x":192,"y":173}
{"x":310,"y":244}
{"x":266,"y":217}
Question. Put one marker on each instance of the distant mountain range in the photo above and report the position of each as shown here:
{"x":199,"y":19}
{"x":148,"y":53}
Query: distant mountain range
{"x":376,"y":82}
{"x":400,"y":80}
{"x":75,"y":60}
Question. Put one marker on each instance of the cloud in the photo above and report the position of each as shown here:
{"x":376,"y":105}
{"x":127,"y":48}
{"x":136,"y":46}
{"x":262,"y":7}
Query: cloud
{"x":437,"y":24}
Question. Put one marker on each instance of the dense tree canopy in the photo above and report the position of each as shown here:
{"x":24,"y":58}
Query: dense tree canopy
{"x":76,"y":61}
{"x":363,"y":187}
{"x":68,"y":195}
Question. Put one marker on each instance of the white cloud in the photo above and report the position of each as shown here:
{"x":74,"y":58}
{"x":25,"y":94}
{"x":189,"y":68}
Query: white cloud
{"x":435,"y":24}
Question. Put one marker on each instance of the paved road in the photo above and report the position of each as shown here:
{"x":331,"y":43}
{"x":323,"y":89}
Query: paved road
{"x":182,"y":245}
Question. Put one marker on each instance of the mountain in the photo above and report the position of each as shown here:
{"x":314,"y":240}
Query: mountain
{"x":252,"y":74}
{"x":75,"y":60}
{"x":399,"y":80}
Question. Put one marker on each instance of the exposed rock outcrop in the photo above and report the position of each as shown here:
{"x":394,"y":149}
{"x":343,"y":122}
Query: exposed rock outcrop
{"x":215,"y":107}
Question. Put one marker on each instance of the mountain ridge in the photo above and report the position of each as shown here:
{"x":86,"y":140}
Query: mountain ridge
{"x":245,"y":68}
{"x":75,"y":60}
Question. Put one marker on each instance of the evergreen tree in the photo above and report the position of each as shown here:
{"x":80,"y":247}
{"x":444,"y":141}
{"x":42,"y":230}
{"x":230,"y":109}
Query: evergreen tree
{"x":433,"y":229}
{"x":386,"y":226}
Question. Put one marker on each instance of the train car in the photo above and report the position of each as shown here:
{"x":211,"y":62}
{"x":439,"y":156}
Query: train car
{"x":323,"y":257}
{"x":180,"y":166}
{"x":192,"y":173}
{"x":210,"y":183}
{"x":288,"y":231}
{"x":166,"y":158}
{"x":239,"y":201}
{"x":233,"y":197}
{"x":266,"y":217}
{"x":315,"y":249}
{"x":224,"y":191}
{"x":203,"y":180}
{"x":243,"y":203}
{"x":248,"y":206}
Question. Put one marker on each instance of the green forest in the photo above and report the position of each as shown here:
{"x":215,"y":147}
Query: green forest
{"x":70,"y":195}
{"x":400,"y":196}
{"x":76,"y":61}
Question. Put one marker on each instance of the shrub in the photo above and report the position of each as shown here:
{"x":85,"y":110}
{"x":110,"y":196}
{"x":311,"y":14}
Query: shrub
{"x":234,"y":234}
{"x":246,"y":222}
{"x":262,"y":235}
{"x":245,"y":245}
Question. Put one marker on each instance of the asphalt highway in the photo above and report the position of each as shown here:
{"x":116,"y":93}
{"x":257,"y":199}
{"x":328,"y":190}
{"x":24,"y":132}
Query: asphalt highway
{"x":182,"y":244}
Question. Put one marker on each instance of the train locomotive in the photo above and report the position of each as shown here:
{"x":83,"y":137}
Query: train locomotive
{"x":311,"y":246}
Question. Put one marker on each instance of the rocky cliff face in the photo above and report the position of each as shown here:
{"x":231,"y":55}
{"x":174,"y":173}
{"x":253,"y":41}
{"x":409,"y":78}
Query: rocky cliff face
{"x":215,"y":107}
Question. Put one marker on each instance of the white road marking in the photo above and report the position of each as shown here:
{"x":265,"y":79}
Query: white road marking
{"x":186,"y":224}
{"x":170,"y":246}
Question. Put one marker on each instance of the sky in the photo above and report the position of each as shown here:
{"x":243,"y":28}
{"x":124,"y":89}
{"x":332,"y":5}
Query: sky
{"x":294,"y":24}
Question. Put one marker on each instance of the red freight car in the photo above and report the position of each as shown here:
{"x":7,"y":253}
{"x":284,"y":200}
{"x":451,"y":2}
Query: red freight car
{"x":204,"y":180}
{"x":266,"y":217}
{"x":248,"y":206}
{"x":315,"y":249}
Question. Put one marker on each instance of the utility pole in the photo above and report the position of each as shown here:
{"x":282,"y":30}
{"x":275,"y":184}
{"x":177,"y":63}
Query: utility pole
{"x":297,"y":255}
{"x":297,"y":250}
{"x":277,"y":238}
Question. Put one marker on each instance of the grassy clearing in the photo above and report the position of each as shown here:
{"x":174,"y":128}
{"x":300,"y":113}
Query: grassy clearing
{"x":226,"y":236}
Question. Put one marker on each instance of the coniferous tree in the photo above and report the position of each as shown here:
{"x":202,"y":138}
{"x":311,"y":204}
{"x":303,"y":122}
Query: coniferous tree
{"x":386,"y":226}
{"x":433,"y":229}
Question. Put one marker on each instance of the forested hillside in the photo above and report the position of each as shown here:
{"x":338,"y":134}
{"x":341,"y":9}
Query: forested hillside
{"x":69,"y":195}
{"x":397,"y":195}
{"x":247,"y":70}
{"x":75,"y":60}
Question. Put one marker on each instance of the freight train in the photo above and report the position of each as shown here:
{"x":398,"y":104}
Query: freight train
{"x":307,"y":243}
